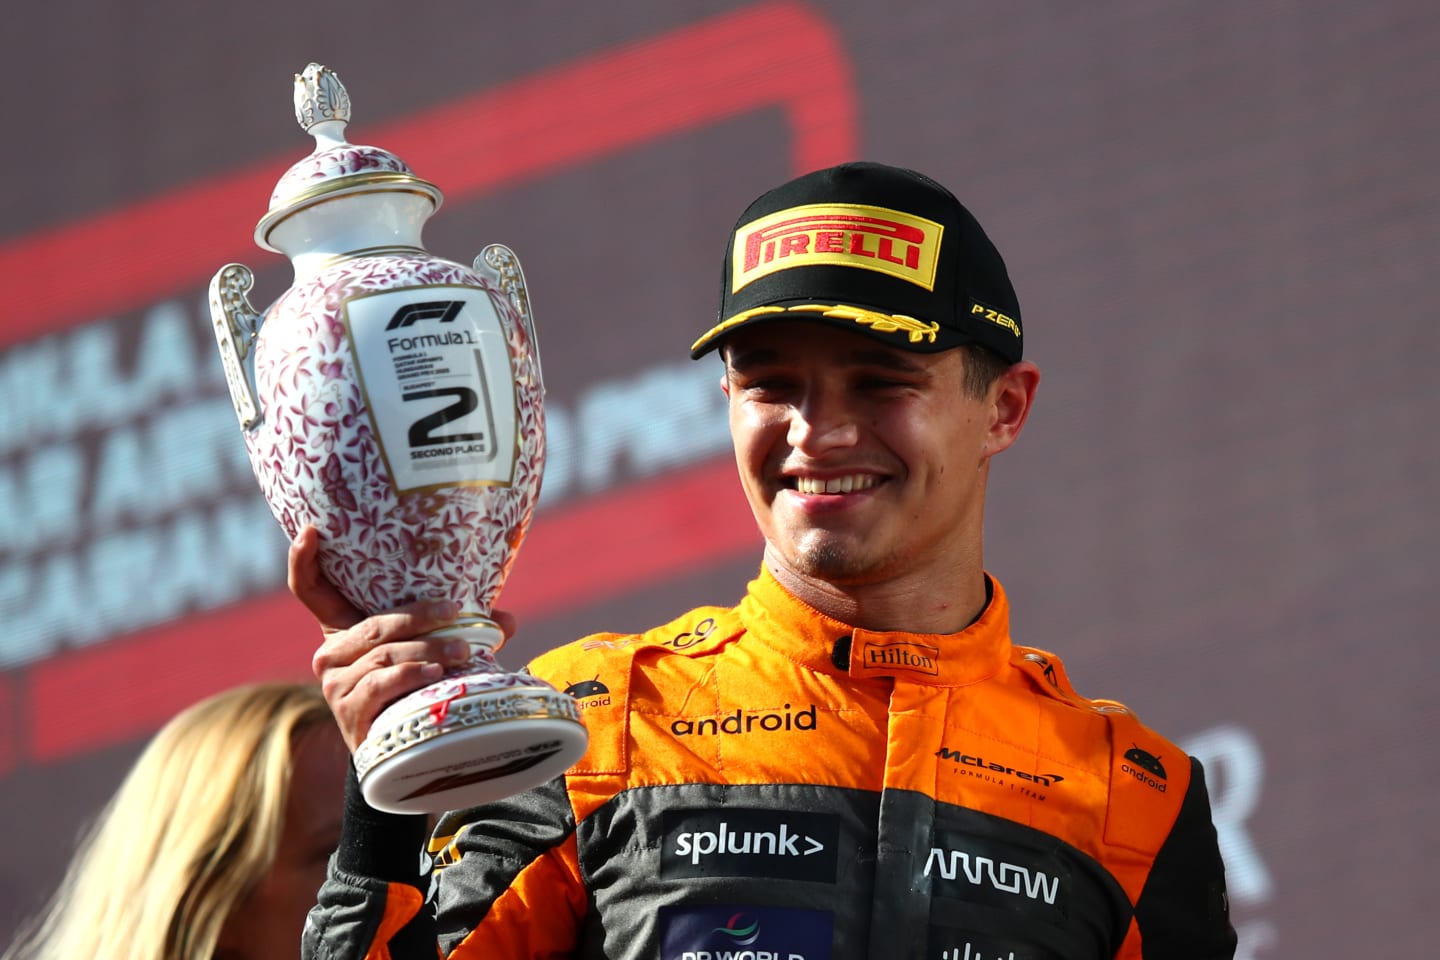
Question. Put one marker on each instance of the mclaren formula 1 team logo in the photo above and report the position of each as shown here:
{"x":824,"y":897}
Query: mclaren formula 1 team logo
{"x":838,"y":234}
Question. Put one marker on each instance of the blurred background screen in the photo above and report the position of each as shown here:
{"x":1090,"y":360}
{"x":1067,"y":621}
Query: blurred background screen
{"x":1219,"y":218}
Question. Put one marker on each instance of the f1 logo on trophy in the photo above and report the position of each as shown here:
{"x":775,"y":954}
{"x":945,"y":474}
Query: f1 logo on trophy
{"x":393,"y":400}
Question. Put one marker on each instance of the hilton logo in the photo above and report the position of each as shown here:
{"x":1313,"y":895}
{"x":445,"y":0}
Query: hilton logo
{"x":900,"y":655}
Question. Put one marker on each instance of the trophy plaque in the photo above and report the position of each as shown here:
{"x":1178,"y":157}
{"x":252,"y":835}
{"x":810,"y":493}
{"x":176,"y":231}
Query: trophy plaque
{"x":393,"y":399}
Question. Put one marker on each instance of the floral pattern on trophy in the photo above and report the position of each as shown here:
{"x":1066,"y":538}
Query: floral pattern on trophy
{"x":413,"y":500}
{"x":323,"y":465}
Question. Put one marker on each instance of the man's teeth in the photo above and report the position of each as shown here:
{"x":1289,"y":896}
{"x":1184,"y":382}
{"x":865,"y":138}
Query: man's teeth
{"x":861,"y":481}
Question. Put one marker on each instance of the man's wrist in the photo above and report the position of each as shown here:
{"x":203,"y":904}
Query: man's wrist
{"x":373,"y":843}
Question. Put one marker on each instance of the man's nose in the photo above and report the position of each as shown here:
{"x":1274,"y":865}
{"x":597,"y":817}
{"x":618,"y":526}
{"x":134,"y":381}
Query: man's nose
{"x":822,"y":422}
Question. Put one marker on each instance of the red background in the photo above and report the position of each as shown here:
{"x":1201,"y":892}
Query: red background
{"x":1221,"y":222}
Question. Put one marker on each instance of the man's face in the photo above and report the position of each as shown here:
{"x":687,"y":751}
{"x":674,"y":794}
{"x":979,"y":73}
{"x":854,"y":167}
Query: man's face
{"x":863,"y":463}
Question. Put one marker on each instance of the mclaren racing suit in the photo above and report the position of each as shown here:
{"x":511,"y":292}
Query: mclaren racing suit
{"x":766,"y":783}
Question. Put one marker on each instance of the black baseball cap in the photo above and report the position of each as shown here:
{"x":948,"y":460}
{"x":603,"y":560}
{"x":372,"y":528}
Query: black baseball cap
{"x":872,"y":247}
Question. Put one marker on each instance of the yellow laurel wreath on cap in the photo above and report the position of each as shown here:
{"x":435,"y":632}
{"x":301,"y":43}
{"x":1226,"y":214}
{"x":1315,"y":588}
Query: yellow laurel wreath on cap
{"x":915,"y":330}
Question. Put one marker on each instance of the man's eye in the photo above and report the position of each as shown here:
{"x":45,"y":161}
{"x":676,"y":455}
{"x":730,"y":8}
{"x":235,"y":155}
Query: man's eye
{"x":765,"y":385}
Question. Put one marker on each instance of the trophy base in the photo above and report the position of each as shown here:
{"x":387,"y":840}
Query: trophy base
{"x":468,"y":740}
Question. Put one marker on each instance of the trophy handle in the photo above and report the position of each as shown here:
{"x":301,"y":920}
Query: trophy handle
{"x":236,"y":322}
{"x":501,"y":262}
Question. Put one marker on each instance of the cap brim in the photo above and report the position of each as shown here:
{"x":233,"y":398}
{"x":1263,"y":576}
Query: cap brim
{"x":894,"y":329}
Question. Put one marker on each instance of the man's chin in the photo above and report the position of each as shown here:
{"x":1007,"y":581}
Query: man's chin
{"x":835,"y":562}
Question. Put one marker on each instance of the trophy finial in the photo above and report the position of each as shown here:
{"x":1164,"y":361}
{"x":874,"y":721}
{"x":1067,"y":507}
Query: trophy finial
{"x":336,"y":168}
{"x":320,"y":97}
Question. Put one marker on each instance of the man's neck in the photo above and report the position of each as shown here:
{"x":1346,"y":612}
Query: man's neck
{"x":909,"y":603}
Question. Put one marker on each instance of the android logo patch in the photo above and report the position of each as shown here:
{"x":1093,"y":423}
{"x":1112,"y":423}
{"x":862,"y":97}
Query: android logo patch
{"x":1146,"y":761}
{"x":590,"y":693}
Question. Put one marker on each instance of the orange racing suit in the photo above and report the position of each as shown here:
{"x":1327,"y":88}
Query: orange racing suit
{"x":766,"y":783}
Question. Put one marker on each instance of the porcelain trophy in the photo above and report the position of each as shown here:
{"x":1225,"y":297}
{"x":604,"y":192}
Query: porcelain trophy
{"x":393,"y":399}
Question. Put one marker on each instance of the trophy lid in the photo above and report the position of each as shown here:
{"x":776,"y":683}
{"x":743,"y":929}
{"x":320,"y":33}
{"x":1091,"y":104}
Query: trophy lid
{"x":336,"y":167}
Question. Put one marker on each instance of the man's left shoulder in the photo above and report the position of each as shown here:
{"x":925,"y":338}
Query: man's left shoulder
{"x":1147,"y":774}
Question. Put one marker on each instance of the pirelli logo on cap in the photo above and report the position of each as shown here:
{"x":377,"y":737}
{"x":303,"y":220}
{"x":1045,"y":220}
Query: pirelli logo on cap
{"x":839,"y":234}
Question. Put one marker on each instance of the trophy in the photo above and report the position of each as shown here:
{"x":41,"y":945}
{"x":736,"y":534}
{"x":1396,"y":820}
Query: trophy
{"x":393,"y":399}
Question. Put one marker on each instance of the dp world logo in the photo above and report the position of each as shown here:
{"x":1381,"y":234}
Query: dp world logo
{"x":744,"y":932}
{"x":742,"y":929}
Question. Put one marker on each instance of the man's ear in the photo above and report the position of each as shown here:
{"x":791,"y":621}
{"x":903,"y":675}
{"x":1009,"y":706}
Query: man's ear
{"x":724,"y":369}
{"x":1011,"y":397}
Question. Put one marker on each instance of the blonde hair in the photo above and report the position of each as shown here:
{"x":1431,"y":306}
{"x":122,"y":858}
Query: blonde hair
{"x":195,"y":825}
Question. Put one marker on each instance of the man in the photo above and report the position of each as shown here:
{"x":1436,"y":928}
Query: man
{"x":855,"y":761}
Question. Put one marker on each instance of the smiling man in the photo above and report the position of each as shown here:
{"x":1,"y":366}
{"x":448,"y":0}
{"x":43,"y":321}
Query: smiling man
{"x":865,"y":467}
{"x":856,"y":760}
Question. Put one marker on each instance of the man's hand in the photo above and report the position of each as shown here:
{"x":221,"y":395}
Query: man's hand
{"x":364,"y":662}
